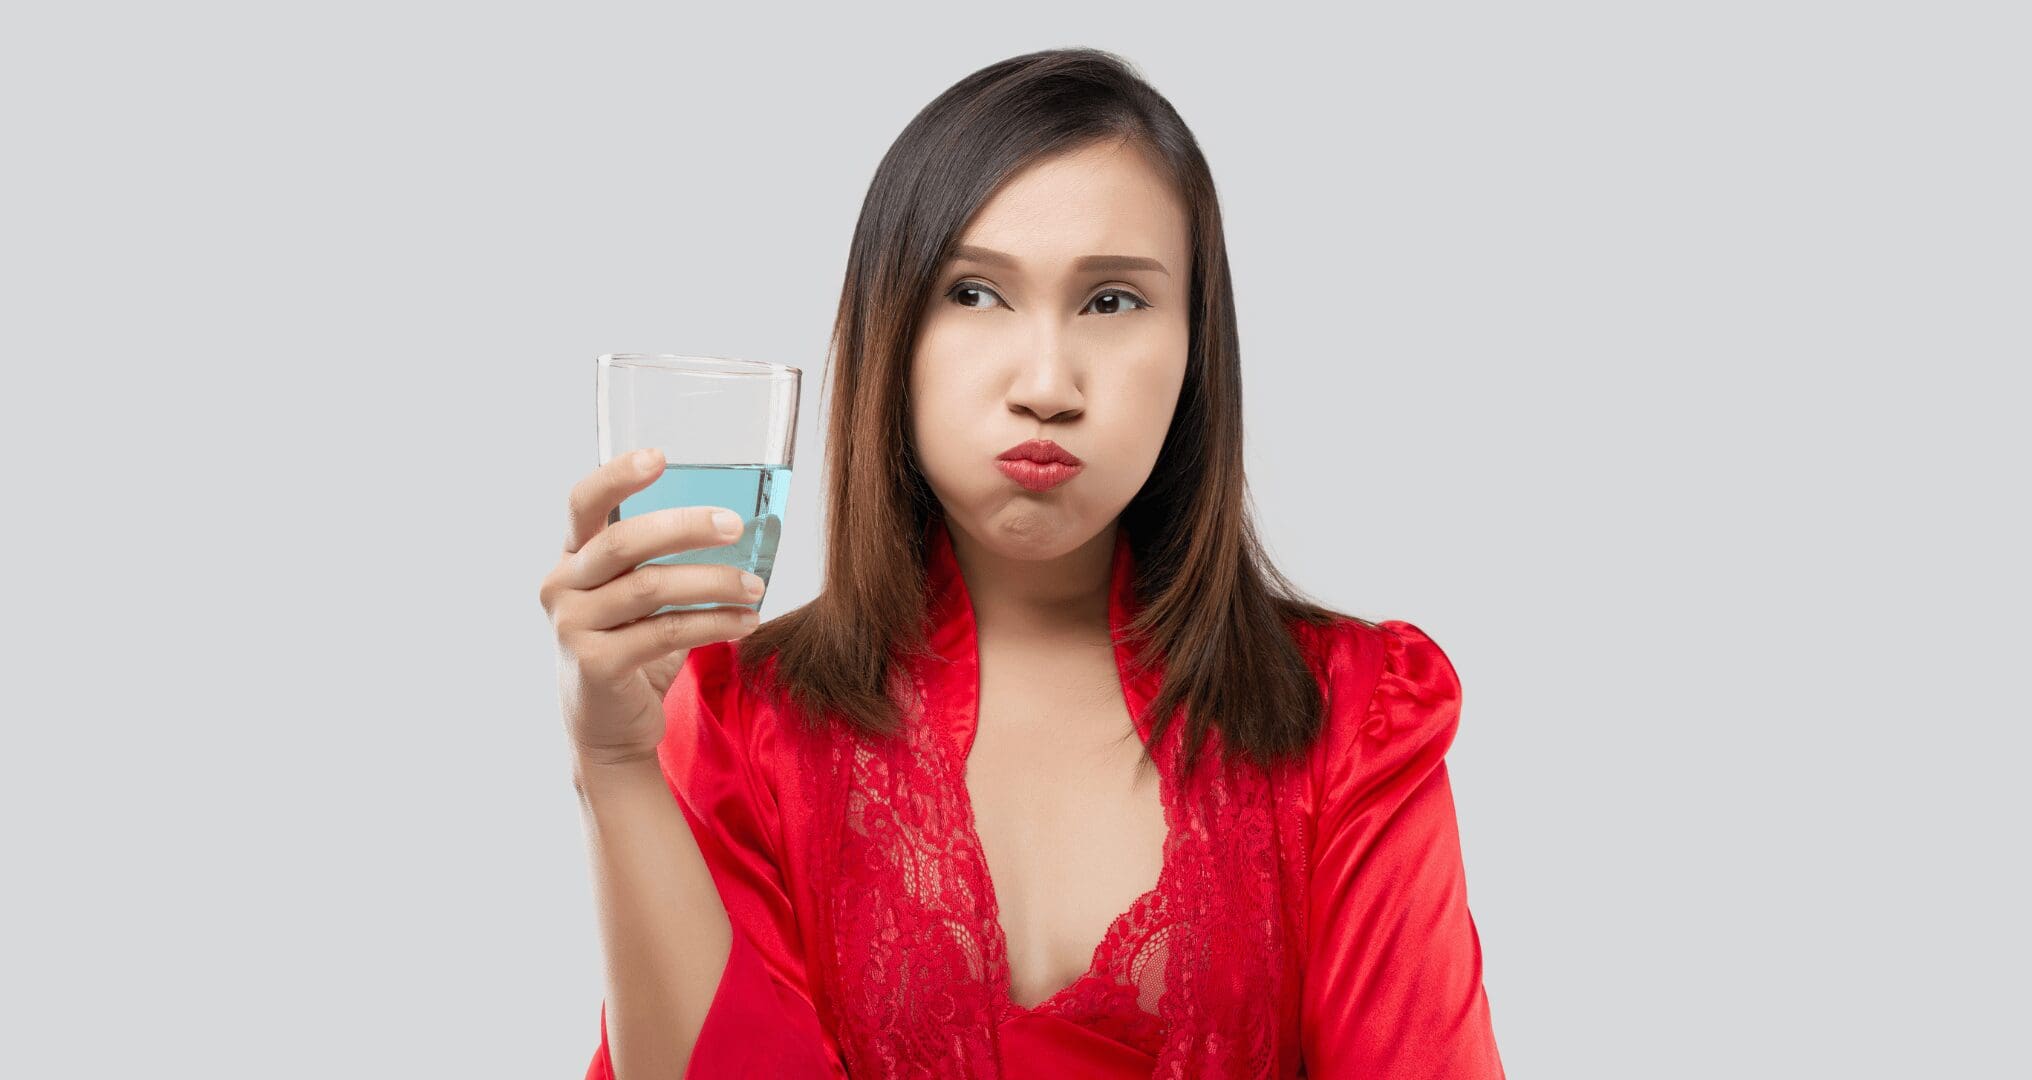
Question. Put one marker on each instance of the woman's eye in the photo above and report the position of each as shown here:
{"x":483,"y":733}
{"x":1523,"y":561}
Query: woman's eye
{"x":1108,"y":302}
{"x":1115,"y":297}
{"x":965,"y":287}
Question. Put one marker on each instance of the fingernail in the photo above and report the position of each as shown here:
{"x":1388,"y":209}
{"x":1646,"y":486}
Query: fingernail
{"x":645,"y":459}
{"x":751,"y":583}
{"x":750,"y":618}
{"x":728,"y":522}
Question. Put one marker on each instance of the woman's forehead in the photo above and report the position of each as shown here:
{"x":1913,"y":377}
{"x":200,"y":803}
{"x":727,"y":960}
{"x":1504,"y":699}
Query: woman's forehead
{"x":1076,"y":211}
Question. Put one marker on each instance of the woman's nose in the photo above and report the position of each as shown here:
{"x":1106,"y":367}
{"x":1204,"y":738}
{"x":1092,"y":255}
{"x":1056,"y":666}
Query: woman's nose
{"x":1047,"y":377}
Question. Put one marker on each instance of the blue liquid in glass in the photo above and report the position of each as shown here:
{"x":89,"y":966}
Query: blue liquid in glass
{"x":756,"y":492}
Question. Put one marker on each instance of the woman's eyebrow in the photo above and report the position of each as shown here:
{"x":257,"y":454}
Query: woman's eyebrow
{"x":1084,"y":262}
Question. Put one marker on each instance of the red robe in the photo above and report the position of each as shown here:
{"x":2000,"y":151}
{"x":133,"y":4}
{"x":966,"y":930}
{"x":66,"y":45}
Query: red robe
{"x":1310,"y":920}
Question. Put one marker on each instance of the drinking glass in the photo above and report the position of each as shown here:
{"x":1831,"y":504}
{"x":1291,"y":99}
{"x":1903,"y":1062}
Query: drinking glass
{"x":728,"y":432}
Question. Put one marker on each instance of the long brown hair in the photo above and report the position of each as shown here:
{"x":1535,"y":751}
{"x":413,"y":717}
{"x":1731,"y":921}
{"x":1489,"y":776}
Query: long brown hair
{"x":1217,"y":612}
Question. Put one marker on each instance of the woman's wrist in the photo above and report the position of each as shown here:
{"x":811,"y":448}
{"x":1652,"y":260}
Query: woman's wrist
{"x":593,"y":771}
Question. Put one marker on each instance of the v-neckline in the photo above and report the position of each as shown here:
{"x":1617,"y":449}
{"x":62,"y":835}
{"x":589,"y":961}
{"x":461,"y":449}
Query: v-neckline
{"x":954,"y":637}
{"x":1096,"y":957}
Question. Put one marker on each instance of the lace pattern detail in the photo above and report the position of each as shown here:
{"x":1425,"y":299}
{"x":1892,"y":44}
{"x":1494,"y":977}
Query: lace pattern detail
{"x":1121,"y":992}
{"x":918,"y":973}
{"x":910,"y":967}
{"x":1222,"y":1015}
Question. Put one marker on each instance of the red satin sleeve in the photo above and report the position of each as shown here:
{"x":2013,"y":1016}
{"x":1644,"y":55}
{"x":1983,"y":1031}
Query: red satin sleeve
{"x":1393,"y":982}
{"x":762,"y":1021}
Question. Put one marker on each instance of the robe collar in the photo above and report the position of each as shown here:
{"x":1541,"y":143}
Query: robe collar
{"x":954,"y":675}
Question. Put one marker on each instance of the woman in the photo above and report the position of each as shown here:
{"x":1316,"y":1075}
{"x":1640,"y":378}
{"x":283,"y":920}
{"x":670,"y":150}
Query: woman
{"x":1057,"y":776}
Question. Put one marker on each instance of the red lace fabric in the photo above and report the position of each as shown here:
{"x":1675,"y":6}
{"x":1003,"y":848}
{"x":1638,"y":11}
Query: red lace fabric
{"x":1308,"y":921}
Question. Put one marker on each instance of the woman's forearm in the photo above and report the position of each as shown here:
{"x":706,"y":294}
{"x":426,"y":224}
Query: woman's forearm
{"x":663,"y":929}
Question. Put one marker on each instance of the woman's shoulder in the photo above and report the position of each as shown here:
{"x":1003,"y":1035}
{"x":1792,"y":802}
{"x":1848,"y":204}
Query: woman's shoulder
{"x":1391,"y":693}
{"x":1349,"y":651}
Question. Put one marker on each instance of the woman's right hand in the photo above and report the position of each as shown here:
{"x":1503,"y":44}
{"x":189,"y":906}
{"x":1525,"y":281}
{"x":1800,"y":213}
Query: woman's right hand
{"x":614,"y":664}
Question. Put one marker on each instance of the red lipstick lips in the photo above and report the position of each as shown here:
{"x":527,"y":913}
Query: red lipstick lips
{"x":1039,"y":464}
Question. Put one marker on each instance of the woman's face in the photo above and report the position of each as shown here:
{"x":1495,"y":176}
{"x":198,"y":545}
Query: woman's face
{"x":1026,"y":336}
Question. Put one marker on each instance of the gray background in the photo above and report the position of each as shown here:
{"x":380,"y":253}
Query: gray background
{"x":1653,"y":358}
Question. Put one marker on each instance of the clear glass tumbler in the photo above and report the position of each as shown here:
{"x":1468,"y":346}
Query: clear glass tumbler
{"x":728,"y":432}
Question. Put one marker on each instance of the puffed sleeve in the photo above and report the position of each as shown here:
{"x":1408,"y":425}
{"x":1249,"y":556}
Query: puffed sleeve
{"x":761,"y":1021}
{"x":1393,"y":982}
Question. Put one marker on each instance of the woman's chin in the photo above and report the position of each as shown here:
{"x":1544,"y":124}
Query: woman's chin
{"x":1029,"y":528}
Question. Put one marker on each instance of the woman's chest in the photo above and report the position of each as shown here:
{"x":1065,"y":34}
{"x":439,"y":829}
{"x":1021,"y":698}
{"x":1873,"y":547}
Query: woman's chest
{"x":1069,"y":814}
{"x":1164,"y":926}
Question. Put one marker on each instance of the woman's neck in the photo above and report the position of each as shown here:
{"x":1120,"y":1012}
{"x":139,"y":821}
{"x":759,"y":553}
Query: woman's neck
{"x":1037,"y":596}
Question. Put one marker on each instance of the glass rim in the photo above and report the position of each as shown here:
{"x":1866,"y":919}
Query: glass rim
{"x":699,"y":362}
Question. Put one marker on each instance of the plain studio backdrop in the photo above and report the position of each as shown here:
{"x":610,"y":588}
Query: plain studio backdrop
{"x":1656,"y":359}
